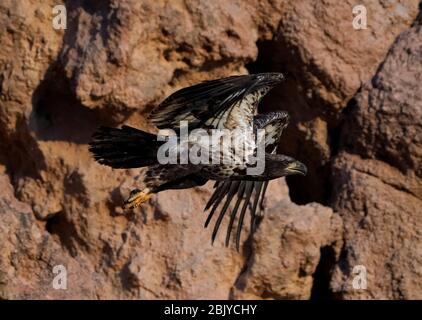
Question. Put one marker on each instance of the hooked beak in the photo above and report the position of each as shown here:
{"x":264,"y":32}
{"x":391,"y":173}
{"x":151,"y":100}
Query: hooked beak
{"x":297,"y":167}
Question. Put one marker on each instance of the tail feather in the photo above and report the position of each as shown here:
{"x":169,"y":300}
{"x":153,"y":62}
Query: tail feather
{"x":124,"y":148}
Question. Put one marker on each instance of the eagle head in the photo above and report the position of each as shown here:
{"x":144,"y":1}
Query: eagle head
{"x":279,"y":165}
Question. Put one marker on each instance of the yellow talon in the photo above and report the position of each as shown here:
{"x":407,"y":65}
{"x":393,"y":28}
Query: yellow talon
{"x":136,"y":198}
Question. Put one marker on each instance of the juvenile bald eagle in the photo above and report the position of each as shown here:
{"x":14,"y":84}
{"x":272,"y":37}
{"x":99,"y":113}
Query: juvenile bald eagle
{"x":230,"y":104}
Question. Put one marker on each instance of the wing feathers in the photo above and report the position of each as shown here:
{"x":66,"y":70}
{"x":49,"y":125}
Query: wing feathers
{"x":233,"y":190}
{"x":207,"y":101}
{"x":234,"y":211}
{"x":221,"y":194}
{"x":248,"y":193}
{"x":258,"y":188}
{"x":274,"y":124}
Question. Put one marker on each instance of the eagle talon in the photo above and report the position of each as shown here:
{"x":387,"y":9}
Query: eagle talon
{"x":136,"y":198}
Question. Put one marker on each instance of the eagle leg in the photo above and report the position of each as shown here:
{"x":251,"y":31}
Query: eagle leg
{"x":136,"y":198}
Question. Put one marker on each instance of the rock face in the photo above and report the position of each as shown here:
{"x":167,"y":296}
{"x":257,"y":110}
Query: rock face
{"x":307,"y":231}
{"x":31,"y":258}
{"x":355,"y":100}
{"x":326,"y":61}
{"x":382,"y":224}
{"x":146,"y":256}
{"x":380,"y":202}
{"x":386,"y":115}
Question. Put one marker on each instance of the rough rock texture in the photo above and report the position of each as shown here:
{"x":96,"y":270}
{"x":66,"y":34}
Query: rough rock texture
{"x":146,"y":256}
{"x":382,"y":230}
{"x":326,"y":61}
{"x":124,"y":56}
{"x":386,"y":115}
{"x":380,"y":202}
{"x":117,"y":59}
{"x":29,"y":254}
{"x":306,"y":230}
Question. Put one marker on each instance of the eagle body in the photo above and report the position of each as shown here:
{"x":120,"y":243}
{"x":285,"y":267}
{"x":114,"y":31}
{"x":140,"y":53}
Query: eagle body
{"x":227,"y":107}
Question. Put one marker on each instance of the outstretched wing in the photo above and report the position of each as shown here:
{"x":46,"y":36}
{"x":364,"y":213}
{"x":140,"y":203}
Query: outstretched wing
{"x":216,"y":103}
{"x":274,"y":124}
